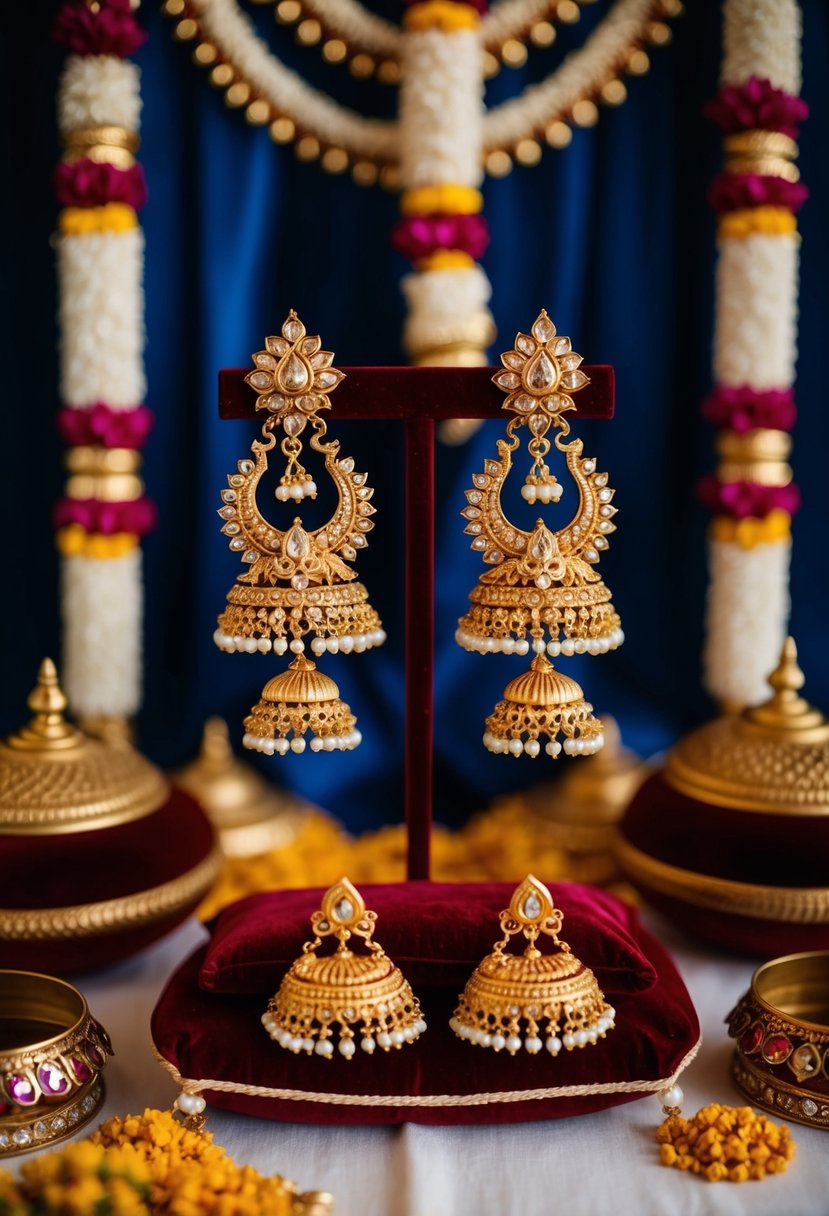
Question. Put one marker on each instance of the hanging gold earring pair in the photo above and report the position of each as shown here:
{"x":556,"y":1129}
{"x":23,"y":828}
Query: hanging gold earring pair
{"x":298,"y":582}
{"x":541,"y":590}
{"x":508,"y":1003}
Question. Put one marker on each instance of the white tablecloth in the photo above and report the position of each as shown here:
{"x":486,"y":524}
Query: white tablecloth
{"x":590,"y":1166}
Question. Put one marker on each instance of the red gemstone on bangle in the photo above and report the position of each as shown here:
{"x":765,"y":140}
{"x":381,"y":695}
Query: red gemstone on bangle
{"x":751,"y":1040}
{"x":776,"y":1049}
{"x":80,"y":1068}
{"x":93,"y":1053}
{"x":53,"y":1080}
{"x":20,"y":1089}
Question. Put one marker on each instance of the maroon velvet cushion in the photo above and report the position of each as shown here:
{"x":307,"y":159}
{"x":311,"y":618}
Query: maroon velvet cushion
{"x":764,"y":850}
{"x":439,"y":1079}
{"x":62,"y":871}
{"x":436,"y":932}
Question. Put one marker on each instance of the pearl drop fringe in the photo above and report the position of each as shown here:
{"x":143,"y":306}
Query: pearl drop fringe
{"x":386,"y":1040}
{"x":316,"y":743}
{"x":532,"y":1043}
{"x":521,"y":646}
{"x":357,"y":643}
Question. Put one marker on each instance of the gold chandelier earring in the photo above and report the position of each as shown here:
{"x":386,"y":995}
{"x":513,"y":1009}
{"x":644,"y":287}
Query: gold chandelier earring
{"x":298,"y":582}
{"x":541,"y":590}
{"x":511,"y":1000}
{"x":365,"y":995}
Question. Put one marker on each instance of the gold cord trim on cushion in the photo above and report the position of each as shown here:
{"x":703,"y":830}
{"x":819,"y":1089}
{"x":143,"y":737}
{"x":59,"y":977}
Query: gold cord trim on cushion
{"x":111,"y":915}
{"x":792,"y":905}
{"x":192,"y":1086}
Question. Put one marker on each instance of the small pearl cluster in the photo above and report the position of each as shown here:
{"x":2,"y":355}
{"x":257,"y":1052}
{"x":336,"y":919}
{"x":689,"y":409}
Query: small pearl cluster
{"x":298,"y":490}
{"x":357,"y":642}
{"x":513,"y":1043}
{"x":542,"y":491}
{"x":532,"y":747}
{"x":190,"y":1104}
{"x":317,"y":743}
{"x":384,"y":1039}
{"x":510,"y":645}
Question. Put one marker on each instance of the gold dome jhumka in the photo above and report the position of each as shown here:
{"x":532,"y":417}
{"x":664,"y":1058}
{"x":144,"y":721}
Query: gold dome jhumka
{"x":512,"y":999}
{"x":541,"y":591}
{"x":298,"y":582}
{"x":365,"y":991}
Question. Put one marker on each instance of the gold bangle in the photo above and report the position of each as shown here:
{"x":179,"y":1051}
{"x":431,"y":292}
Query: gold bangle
{"x":50,"y":1084}
{"x":783,"y":1038}
{"x":760,"y":143}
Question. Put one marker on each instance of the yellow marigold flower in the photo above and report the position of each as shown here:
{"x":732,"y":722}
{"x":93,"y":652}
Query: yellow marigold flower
{"x":445,"y":15}
{"x":111,"y":217}
{"x":448,"y":199}
{"x":769,"y":221}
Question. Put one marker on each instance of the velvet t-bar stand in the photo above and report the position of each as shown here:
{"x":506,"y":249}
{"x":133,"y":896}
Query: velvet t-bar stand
{"x":418,"y":397}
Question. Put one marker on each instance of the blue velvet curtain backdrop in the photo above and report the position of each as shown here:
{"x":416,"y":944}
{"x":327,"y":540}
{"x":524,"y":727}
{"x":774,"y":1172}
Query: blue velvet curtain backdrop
{"x":612,"y":236}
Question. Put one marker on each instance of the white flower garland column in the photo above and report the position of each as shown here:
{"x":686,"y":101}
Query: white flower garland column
{"x":752,"y":495}
{"x":100,"y":262}
{"x":441,"y":150}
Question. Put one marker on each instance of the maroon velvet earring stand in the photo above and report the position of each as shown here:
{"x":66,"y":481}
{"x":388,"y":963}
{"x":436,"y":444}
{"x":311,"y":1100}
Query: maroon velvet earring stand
{"x":418,"y":397}
{"x":207,"y":1021}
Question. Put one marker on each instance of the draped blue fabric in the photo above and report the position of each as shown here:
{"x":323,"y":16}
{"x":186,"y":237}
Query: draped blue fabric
{"x":612,"y":236}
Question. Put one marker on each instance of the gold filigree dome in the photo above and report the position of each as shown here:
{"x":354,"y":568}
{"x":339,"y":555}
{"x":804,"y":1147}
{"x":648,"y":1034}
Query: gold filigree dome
{"x":543,"y":685}
{"x":773,"y":758}
{"x":302,"y":682}
{"x":53,"y":778}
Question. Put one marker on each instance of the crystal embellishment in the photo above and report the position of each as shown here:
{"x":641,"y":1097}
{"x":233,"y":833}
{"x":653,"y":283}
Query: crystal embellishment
{"x":344,"y":909}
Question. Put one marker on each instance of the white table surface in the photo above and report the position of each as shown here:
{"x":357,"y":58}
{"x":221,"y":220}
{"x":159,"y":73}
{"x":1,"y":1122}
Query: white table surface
{"x":590,"y":1166}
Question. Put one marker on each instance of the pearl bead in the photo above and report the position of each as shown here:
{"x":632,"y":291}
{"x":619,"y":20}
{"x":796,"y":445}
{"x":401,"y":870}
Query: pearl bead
{"x":498,"y":1042}
{"x":539,"y":646}
{"x":522,"y":646}
{"x":409,"y":1033}
{"x":280,"y":645}
{"x":333,"y":645}
{"x":516,"y":747}
{"x":553,"y":1045}
{"x":297,"y":645}
{"x":250,"y":645}
{"x":672,"y":1097}
{"x":367,"y":1044}
{"x":190,"y":1104}
{"x":281,"y":746}
{"x":420,"y":1025}
{"x":533,"y":1045}
{"x":568,"y":1040}
{"x":581,"y":1038}
{"x":298,"y":744}
{"x":310,"y":488}
{"x":346,"y":645}
{"x":532,"y":747}
{"x":579,"y":646}
{"x":328,"y":743}
{"x":513,"y":1044}
{"x":318,"y":646}
{"x":553,"y":748}
{"x":283,"y":493}
{"x":297,"y":492}
{"x":263,"y":645}
{"x":397,"y":1037}
{"x":347,"y":1048}
{"x":553,"y":649}
{"x":324,"y":1048}
{"x":384,"y":1040}
{"x":315,"y":744}
{"x":610,"y":1012}
{"x":568,"y":646}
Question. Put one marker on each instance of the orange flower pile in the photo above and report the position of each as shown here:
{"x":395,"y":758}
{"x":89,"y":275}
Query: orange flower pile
{"x":143,"y":1165}
{"x":725,"y":1144}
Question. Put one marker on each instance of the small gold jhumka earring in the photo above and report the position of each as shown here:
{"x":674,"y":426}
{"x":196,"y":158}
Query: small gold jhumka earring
{"x":298,"y":582}
{"x":365,"y":995}
{"x":541,"y":591}
{"x":512,"y":999}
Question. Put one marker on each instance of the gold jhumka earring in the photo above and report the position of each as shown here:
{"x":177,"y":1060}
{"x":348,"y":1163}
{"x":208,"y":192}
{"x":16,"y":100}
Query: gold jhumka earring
{"x":365,"y":995}
{"x":541,"y":590}
{"x":512,"y":999}
{"x":298,"y":582}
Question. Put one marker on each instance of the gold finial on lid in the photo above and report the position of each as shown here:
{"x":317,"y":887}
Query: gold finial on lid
{"x":772,"y":758}
{"x":54,"y":778}
{"x":48,"y":728}
{"x":786,"y":712}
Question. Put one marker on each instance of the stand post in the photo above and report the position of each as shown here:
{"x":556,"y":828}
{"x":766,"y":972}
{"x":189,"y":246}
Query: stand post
{"x":420,"y":641}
